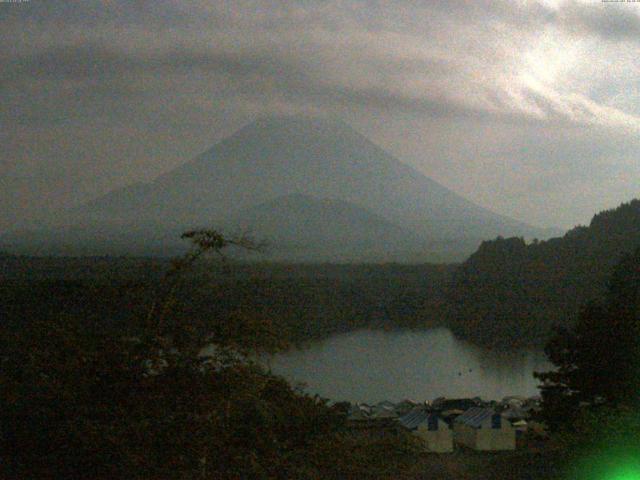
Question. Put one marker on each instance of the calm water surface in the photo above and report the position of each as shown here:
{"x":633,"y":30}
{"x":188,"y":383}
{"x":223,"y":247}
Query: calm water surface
{"x":370,"y":366}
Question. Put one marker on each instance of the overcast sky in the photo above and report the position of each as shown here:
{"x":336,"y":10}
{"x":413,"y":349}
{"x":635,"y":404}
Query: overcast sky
{"x":531,"y":109}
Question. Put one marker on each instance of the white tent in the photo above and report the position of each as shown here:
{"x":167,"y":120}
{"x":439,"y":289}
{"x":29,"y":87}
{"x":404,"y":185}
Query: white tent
{"x":434,"y":431}
{"x":484,"y":429}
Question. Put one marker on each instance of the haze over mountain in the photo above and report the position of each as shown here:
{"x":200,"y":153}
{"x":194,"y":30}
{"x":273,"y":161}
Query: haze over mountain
{"x":293,"y":181}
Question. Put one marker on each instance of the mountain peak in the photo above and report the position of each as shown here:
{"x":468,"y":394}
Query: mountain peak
{"x":297,"y":126}
{"x":299,"y":120}
{"x":314,"y":157}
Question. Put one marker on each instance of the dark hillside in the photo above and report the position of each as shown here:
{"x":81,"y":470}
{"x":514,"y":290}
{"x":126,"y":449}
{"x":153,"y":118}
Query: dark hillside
{"x":305,"y":302}
{"x":510,"y":291}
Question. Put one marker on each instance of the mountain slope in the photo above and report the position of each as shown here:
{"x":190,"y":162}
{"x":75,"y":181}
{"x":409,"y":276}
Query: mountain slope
{"x":285,"y":155}
{"x":282,"y":156}
{"x":303,"y":227}
{"x":509,"y":291}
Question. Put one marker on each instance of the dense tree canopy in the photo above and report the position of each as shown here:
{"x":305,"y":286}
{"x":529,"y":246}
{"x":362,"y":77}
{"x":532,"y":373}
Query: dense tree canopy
{"x":168,"y":397}
{"x":598,"y":360}
{"x":511,"y":291}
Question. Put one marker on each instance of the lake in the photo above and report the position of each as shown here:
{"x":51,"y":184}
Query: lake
{"x":371,"y":366}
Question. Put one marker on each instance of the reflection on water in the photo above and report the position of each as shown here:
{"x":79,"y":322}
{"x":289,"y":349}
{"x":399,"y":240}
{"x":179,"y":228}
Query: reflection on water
{"x":370,"y":366}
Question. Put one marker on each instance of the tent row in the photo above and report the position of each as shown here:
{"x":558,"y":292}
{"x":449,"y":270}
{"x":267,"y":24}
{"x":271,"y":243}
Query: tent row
{"x":477,"y":428}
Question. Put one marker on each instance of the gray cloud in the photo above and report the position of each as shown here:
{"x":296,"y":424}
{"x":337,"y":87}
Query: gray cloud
{"x":100,"y":94}
{"x":98,"y":62}
{"x":608,"y":21}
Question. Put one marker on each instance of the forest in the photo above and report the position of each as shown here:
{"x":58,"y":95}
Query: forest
{"x":80,"y":335}
{"x":306,"y":302}
{"x":89,"y":394}
{"x":508,"y":293}
{"x":120,"y":388}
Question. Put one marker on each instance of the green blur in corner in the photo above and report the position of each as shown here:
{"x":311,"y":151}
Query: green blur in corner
{"x":629,"y":470}
{"x":631,"y":473}
{"x":612,"y":464}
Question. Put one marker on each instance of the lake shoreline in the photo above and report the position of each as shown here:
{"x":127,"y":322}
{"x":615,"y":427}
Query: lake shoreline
{"x":373,"y":365}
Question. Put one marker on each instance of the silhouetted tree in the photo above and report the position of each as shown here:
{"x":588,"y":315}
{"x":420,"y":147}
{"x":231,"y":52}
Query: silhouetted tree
{"x":598,"y":361}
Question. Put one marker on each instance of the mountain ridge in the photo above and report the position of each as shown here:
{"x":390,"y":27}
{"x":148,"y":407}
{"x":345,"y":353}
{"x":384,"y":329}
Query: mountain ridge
{"x":277,"y":156}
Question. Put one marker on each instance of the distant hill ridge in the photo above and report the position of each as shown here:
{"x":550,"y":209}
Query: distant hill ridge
{"x":511,"y":291}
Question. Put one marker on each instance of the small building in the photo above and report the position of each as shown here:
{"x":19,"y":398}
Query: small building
{"x":520,"y":427}
{"x":449,"y":409}
{"x":455,"y":404}
{"x":514,"y":401}
{"x":380,"y":413}
{"x":386,"y":404}
{"x":514,"y":414}
{"x":358,"y":414}
{"x":405,"y":406}
{"x":373,"y":420}
{"x":484,"y":429}
{"x":434,"y":431}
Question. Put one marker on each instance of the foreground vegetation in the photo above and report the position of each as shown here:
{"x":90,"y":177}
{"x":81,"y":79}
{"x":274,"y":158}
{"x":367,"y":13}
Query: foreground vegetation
{"x":509,"y":293}
{"x":167,"y":395}
{"x":305,"y":302}
{"x":147,"y":373}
